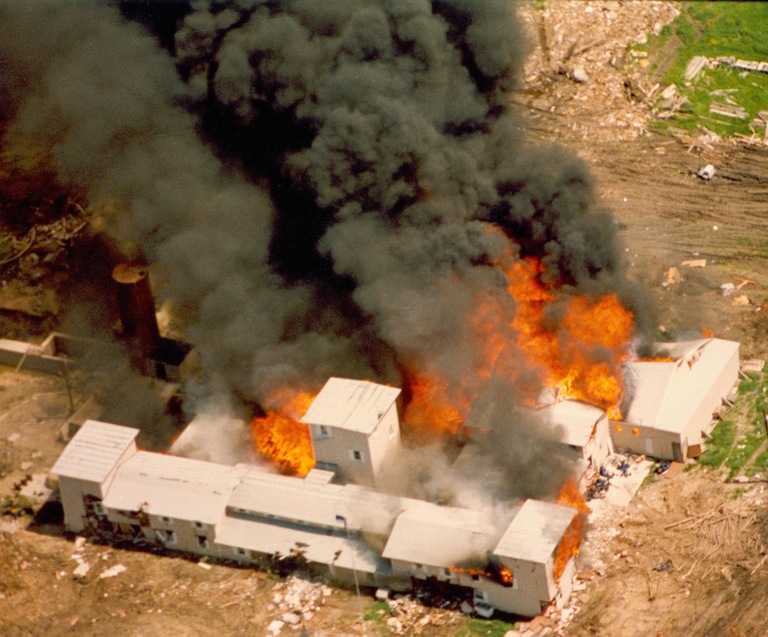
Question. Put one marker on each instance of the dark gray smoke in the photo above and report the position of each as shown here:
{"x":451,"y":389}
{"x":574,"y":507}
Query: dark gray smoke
{"x":312,"y":181}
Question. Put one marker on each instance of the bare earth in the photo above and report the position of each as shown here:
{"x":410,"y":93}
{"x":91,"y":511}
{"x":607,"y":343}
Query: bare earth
{"x":708,"y":546}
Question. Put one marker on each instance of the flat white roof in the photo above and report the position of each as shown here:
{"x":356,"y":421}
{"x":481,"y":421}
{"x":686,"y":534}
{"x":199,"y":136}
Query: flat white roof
{"x":442,"y":536}
{"x":316,"y":503}
{"x":338,"y":549}
{"x":174,"y":487}
{"x":576,"y":420}
{"x":535,"y":532}
{"x":94,"y":450}
{"x":355,"y":405}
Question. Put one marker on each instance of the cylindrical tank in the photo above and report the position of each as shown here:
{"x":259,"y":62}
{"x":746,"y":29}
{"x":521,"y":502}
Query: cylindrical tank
{"x":137,"y":309}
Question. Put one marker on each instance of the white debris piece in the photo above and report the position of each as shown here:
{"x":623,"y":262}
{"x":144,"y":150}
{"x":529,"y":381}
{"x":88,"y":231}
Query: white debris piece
{"x":707,"y":172}
{"x":291,"y":618}
{"x":694,"y":67}
{"x":580,"y":75}
{"x":82,"y":568}
{"x":275,"y":626}
{"x":113,"y":571}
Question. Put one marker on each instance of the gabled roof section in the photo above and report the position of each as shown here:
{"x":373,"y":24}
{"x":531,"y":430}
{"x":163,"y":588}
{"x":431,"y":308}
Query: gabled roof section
{"x":535,"y":532}
{"x":648,"y":383}
{"x":666,"y":394}
{"x":175,"y":487}
{"x":94,"y":451}
{"x":442,"y":536}
{"x":354,"y":405}
{"x":576,"y":420}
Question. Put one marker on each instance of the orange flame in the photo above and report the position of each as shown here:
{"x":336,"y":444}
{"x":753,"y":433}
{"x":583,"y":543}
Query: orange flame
{"x":582,"y":355}
{"x":430,"y":410}
{"x":573,"y":344}
{"x":496,"y":572}
{"x":281,"y":437}
{"x":569,"y":544}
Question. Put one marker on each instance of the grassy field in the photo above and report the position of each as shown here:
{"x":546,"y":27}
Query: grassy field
{"x":736,"y":442}
{"x":713,"y":29}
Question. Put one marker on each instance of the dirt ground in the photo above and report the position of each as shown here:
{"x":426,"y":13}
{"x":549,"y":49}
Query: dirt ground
{"x":688,"y":555}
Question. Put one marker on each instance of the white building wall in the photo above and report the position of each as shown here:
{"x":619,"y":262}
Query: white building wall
{"x":534,"y":587}
{"x":341,"y":447}
{"x":72,"y":493}
{"x":74,"y":490}
{"x":384,"y":441}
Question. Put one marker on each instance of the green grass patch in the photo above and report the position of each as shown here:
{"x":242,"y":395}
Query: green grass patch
{"x":714,"y":29}
{"x":737,"y":493}
{"x":719,"y":445}
{"x":485,"y":627}
{"x":761,"y":462}
{"x":742,"y":451}
{"x":378,"y":613}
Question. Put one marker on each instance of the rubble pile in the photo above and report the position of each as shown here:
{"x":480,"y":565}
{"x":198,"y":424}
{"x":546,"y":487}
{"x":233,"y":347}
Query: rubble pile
{"x":296,"y":601}
{"x":407,"y":616}
{"x":580,"y":58}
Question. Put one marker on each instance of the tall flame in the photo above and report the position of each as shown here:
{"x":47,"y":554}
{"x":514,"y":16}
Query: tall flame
{"x":536,"y":337}
{"x":570,"y":543}
{"x":582,"y":357}
{"x":281,"y":437}
{"x":431,"y":409}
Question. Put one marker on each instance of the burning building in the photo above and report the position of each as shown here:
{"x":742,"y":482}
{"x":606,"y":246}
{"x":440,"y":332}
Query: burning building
{"x":328,"y":190}
{"x":250,"y":514}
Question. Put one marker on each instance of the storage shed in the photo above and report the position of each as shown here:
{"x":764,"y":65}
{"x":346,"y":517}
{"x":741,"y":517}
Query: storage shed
{"x":674,"y":397}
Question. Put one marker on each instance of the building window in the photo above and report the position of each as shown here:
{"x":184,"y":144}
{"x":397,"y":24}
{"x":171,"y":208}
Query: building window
{"x":198,"y":525}
{"x":168,"y":537}
{"x":98,"y":508}
{"x":165,"y":519}
{"x":323,"y":432}
{"x":447,"y":572}
{"x":357,"y":455}
{"x":203,"y":542}
{"x":242,"y":552}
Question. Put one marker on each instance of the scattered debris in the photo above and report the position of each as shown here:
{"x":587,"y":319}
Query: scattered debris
{"x":753,"y":365}
{"x":741,"y":300}
{"x":82,"y":568}
{"x":744,"y":65}
{"x":695,"y":66}
{"x":695,"y":263}
{"x":726,"y":110}
{"x":707,"y":172}
{"x":672,"y":277}
{"x":580,"y":75}
{"x":113,"y":571}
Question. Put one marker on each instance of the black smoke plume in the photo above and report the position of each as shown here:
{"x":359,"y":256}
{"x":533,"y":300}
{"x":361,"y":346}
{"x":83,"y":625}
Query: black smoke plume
{"x":313,"y":182}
